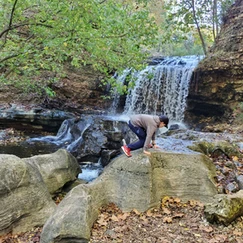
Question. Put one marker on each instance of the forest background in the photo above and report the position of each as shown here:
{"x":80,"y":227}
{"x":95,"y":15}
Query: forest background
{"x":38,"y":37}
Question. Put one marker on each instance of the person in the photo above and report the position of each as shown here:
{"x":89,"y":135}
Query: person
{"x":145,"y":127}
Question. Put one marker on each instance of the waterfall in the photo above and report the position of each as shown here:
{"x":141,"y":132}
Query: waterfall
{"x":120,"y":80}
{"x":162,"y":88}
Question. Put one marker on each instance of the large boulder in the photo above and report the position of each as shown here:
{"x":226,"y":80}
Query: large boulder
{"x":26,"y":187}
{"x":56,"y":169}
{"x":138,"y":183}
{"x":217,"y":147}
{"x":90,"y":138}
{"x":75,"y":215}
{"x":25,"y":200}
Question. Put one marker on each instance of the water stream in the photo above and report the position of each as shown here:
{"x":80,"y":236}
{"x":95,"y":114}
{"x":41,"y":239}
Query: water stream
{"x":161,"y":88}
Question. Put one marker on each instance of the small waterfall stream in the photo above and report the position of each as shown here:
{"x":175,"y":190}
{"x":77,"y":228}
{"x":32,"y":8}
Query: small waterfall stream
{"x":161,"y":88}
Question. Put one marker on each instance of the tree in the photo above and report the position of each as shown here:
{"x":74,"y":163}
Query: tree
{"x":41,"y":35}
{"x":204,"y":16}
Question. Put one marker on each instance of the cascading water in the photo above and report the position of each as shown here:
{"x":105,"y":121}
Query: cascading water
{"x":161,"y":88}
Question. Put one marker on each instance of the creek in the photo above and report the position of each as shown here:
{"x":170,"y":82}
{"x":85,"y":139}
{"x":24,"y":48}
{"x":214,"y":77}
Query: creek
{"x":160,"y":88}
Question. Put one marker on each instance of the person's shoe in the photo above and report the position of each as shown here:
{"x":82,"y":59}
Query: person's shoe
{"x":126,"y":150}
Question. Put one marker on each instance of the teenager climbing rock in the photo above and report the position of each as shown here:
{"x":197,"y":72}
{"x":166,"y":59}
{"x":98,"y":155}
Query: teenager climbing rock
{"x":145,"y":127}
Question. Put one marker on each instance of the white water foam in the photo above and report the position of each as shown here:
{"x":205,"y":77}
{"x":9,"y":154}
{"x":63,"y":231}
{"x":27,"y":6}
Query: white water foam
{"x":161,"y":88}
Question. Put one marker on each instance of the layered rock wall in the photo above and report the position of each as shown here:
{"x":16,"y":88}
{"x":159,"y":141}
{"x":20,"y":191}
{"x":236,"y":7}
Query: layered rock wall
{"x":217,"y":85}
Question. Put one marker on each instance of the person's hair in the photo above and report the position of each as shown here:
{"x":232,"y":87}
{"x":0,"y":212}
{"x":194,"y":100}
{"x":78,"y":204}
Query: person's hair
{"x":164,"y":119}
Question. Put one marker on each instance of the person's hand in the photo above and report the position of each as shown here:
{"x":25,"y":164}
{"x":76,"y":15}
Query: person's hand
{"x":156,"y":146}
{"x":146,"y":152}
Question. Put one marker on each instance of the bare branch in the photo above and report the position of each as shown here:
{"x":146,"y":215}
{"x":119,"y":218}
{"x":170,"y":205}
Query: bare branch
{"x":102,"y":1}
{"x":10,"y":22}
{"x":9,"y":57}
{"x":12,"y":13}
{"x":23,"y":24}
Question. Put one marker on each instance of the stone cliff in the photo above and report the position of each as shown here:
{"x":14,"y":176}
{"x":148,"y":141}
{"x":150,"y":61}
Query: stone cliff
{"x":217,"y":86}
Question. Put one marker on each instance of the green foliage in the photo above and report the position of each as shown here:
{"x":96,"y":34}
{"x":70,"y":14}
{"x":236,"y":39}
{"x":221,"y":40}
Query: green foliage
{"x":191,"y":24}
{"x":39,"y":36}
{"x":189,"y":45}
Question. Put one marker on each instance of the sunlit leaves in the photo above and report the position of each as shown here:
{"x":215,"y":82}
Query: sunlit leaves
{"x":42,"y":35}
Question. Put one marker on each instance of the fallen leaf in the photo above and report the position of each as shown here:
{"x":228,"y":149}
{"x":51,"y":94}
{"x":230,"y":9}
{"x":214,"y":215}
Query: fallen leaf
{"x":237,"y":233}
{"x":194,"y":203}
{"x":114,"y":218}
{"x":165,"y":200}
{"x":177,"y":200}
{"x":221,"y":238}
{"x":178,"y":215}
{"x":181,"y":224}
{"x":136,"y":211}
{"x":123,"y":216}
{"x":167,"y":220}
{"x":166,"y":211}
{"x":149,"y":213}
{"x":102,"y":221}
{"x":207,"y":229}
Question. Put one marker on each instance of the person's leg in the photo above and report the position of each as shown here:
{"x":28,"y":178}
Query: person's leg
{"x":141,"y":134}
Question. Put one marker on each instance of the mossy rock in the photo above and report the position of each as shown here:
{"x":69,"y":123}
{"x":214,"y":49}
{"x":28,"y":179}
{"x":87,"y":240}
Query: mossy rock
{"x":216,"y":148}
{"x":224,"y":208}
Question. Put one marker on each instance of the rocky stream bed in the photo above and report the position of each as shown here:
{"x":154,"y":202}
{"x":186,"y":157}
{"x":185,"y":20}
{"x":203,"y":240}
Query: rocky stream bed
{"x":174,"y":221}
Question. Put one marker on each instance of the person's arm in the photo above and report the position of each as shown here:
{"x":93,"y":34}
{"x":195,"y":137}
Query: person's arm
{"x":150,"y":134}
{"x":146,"y":152}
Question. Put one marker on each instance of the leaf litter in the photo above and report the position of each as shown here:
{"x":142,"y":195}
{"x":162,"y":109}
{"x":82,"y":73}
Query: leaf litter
{"x":174,"y":221}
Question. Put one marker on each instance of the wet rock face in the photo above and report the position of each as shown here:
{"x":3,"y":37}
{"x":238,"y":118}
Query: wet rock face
{"x":216,"y":87}
{"x":27,"y":118}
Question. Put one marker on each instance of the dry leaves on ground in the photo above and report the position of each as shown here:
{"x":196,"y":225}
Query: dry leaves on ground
{"x":32,"y":236}
{"x":174,"y":221}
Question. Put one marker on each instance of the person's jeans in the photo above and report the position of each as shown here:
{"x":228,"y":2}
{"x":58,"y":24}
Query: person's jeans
{"x":141,"y":133}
